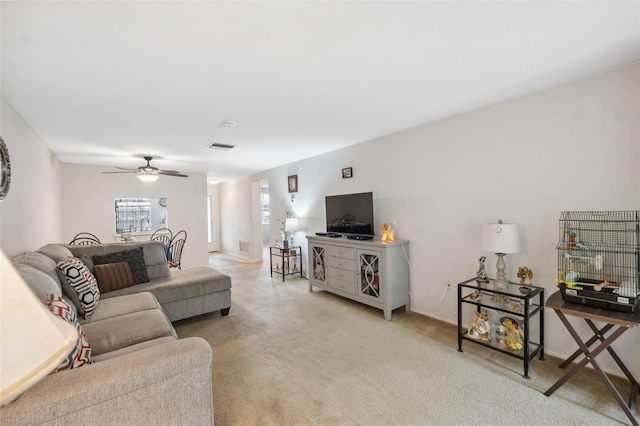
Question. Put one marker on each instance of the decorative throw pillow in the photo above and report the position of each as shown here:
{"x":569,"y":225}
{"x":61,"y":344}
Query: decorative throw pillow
{"x":81,"y":354}
{"x":135,"y":258}
{"x":86,"y":259}
{"x":113,"y":276}
{"x":79,"y":285}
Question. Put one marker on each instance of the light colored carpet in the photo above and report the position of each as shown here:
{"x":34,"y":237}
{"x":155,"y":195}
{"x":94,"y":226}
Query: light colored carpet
{"x":285,"y":356}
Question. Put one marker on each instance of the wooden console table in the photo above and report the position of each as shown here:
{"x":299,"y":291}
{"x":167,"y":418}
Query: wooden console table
{"x":620,"y":322}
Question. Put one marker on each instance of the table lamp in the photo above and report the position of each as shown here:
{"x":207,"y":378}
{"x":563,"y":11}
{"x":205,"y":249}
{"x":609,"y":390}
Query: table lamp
{"x":292,"y":224}
{"x":501,"y":238}
{"x":32,"y":340}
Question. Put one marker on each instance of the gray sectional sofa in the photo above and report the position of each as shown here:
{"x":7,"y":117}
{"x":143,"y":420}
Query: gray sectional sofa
{"x":141,"y":372}
{"x":183,"y":293}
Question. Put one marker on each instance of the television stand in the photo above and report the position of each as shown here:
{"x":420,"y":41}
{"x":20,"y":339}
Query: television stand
{"x":370,"y":272}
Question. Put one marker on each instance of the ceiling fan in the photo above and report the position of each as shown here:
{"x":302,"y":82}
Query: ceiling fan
{"x":148,"y":173}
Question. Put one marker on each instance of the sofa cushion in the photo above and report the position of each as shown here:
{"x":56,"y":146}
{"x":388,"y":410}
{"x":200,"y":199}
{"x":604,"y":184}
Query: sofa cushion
{"x":81,"y":353}
{"x":154,"y":254}
{"x":40,"y":262}
{"x":40,"y":283}
{"x":182,"y":284}
{"x":79,"y":285}
{"x":135,"y":258}
{"x":112,"y":276}
{"x":57,"y":252}
{"x":133,"y":348}
{"x":125,"y":330}
{"x":122,"y":305}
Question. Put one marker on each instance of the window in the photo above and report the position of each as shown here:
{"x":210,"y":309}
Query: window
{"x":140,"y":214}
{"x":264,"y":201}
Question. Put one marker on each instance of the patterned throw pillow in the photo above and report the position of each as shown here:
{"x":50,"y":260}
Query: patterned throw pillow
{"x":86,"y":259}
{"x":80,"y":286}
{"x":113,"y":276}
{"x":81,"y":354}
{"x":135,"y":258}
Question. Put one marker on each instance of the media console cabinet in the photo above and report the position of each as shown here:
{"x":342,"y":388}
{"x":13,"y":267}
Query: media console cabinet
{"x":367,"y":271}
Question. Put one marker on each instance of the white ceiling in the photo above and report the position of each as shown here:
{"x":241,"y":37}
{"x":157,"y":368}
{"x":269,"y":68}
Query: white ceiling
{"x":107,"y":82}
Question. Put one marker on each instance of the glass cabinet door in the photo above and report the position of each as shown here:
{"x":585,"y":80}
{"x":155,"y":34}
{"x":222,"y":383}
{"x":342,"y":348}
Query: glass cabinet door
{"x":319,"y":270}
{"x":369,"y":271}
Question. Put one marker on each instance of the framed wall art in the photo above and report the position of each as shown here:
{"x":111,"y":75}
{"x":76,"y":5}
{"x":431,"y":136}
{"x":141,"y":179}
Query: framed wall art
{"x":293,"y":183}
{"x":347,"y":173}
{"x":5,"y":170}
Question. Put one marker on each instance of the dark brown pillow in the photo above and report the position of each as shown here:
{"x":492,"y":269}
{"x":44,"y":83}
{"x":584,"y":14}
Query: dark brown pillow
{"x":113,"y":276}
{"x":135,"y":257}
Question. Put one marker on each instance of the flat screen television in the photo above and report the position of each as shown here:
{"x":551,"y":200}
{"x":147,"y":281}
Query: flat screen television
{"x":350,"y":214}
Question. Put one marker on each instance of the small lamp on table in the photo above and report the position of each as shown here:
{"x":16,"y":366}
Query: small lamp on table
{"x":292,"y":224}
{"x":501,"y":238}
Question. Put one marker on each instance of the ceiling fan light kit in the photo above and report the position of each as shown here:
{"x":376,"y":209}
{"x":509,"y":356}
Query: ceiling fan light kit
{"x":148,"y":173}
{"x":148,"y":176}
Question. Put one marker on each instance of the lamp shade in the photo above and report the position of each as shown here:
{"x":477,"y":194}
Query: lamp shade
{"x":501,"y":238}
{"x":292,"y":224}
{"x":33,"y":341}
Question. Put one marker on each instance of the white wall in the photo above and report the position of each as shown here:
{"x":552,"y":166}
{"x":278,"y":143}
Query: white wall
{"x":87,"y":205}
{"x":573,"y":147}
{"x":30,"y":216}
{"x":236,"y":215}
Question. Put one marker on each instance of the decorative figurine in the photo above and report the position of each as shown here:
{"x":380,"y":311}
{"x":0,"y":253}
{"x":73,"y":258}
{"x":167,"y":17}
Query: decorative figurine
{"x":502,"y":299}
{"x":476,"y":296}
{"x":515,"y":335}
{"x":525,"y":274}
{"x":516,"y":306}
{"x":480,"y":328}
{"x":387,"y":230}
{"x":481,"y":275}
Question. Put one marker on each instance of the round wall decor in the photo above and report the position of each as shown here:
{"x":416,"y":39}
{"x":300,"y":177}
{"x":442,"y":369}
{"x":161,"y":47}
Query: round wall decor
{"x":5,"y":170}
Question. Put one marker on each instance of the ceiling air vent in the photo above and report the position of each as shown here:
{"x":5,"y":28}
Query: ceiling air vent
{"x":217,"y":145}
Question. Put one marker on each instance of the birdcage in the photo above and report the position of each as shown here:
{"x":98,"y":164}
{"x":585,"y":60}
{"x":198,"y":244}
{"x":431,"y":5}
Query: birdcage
{"x":599,"y":258}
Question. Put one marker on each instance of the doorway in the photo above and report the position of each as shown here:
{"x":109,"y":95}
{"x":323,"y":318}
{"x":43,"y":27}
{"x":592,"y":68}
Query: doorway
{"x":213,"y":219}
{"x":259,"y":218}
{"x":264,"y":203}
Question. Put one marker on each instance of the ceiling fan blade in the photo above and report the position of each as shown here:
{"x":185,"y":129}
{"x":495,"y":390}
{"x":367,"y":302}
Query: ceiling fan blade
{"x":172,"y":173}
{"x":148,"y":169}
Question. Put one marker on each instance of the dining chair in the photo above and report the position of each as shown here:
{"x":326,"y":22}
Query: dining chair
{"x":163,"y":234}
{"x":175,"y":249}
{"x":84,"y":239}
